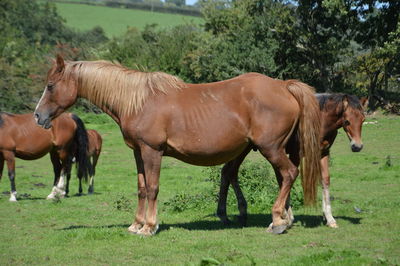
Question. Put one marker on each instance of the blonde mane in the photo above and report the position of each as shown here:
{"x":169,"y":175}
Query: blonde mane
{"x":115,"y":87}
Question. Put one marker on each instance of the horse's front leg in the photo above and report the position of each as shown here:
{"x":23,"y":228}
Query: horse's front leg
{"x":152,"y":164}
{"x":140,"y":217}
{"x":326,"y":201}
{"x":55,"y":160}
{"x":10,"y":159}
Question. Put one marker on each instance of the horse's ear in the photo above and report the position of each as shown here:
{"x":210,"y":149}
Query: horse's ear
{"x":60,"y":63}
{"x":364,"y":102}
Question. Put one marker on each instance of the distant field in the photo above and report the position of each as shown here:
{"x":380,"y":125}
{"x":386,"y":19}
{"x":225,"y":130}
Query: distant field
{"x":115,"y":21}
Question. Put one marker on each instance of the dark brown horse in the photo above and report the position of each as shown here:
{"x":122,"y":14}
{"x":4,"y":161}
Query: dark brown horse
{"x":93,"y":154}
{"x":337,"y":111}
{"x":201,"y":124}
{"x":21,"y":137}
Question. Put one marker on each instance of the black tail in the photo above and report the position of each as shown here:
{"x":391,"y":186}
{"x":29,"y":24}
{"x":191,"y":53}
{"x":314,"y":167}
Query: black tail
{"x":81,"y":140}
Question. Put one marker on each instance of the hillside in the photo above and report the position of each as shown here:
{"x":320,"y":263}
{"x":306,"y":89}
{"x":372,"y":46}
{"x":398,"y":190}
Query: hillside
{"x":115,"y":21}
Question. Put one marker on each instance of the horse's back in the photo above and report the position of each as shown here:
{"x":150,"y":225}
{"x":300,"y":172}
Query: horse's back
{"x":20,"y":134}
{"x":217,"y":121}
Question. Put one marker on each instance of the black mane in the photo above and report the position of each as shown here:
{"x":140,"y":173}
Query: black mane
{"x":337,"y":98}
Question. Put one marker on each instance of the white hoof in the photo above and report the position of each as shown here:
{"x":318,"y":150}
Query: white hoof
{"x":134,"y":228}
{"x":13,"y":197}
{"x":147,"y":230}
{"x":51,"y":196}
{"x":333,"y":225}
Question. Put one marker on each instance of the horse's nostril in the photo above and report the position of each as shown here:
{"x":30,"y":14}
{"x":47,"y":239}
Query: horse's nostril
{"x":36,"y":115}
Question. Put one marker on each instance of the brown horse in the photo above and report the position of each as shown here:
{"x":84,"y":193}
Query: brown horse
{"x":202,"y":124}
{"x":93,"y":154}
{"x":21,"y":137}
{"x":337,"y":111}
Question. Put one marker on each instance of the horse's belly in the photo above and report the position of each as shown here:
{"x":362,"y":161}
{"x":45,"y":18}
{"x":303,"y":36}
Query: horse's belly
{"x":206,"y":154}
{"x":28,"y":154}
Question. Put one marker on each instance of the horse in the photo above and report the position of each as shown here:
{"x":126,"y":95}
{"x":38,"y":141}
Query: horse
{"x":338,"y":110}
{"x":93,"y":154}
{"x":21,"y":137}
{"x":200,"y":124}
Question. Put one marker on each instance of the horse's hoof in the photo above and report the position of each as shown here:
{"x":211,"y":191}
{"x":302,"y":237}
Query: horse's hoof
{"x":148,"y":230}
{"x":333,"y":225}
{"x":134,"y":228}
{"x":242,"y":220}
{"x":224,"y":219}
{"x":13,"y":196}
{"x":269,"y":229}
{"x":279,"y":229}
{"x":50,"y":197}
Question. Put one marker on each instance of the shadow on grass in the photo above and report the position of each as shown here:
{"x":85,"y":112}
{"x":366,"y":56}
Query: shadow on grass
{"x":254,"y":220}
{"x":23,"y":197}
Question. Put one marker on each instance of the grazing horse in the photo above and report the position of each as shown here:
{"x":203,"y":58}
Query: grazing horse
{"x":21,"y":137}
{"x":337,"y":111}
{"x":201,"y":124}
{"x":93,"y":154}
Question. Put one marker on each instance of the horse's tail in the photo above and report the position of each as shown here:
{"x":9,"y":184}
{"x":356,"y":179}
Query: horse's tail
{"x":81,"y":140}
{"x":309,"y":137}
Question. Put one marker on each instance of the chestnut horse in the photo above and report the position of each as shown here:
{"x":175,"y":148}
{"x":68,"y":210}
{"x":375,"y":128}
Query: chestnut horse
{"x":93,"y":154}
{"x":201,"y":124}
{"x":337,"y":111}
{"x":21,"y":137}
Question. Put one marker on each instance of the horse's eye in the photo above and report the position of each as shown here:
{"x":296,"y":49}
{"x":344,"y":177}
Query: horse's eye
{"x":346,"y":123}
{"x":50,"y":86}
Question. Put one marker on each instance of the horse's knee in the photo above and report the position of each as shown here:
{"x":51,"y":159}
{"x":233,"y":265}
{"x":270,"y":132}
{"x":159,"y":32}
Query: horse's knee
{"x":142,"y":192}
{"x":152,"y":192}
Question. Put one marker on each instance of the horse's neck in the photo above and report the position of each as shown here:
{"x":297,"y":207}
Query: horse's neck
{"x":104,"y":107}
{"x":331,"y":123}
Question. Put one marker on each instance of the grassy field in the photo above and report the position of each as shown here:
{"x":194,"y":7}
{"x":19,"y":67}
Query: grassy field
{"x":92,"y":230}
{"x":115,"y":21}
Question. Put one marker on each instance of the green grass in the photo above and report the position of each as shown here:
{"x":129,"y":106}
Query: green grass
{"x":115,"y":21}
{"x":92,"y":230}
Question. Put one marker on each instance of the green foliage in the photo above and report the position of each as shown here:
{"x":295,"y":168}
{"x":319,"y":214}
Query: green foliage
{"x":30,"y":32}
{"x":237,"y":40}
{"x":152,"y":49}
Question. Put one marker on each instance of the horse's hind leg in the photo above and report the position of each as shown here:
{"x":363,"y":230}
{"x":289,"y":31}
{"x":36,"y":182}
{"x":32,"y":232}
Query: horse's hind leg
{"x":95,"y":157}
{"x":229,"y":174}
{"x":287,"y":172}
{"x":326,"y":201}
{"x":68,"y":171}
{"x":10,"y":159}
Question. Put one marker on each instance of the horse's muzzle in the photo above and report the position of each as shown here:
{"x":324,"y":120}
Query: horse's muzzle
{"x":356,"y":147}
{"x":43,"y":122}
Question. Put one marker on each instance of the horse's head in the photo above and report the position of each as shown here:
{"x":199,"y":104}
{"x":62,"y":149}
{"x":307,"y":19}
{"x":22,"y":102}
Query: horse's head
{"x":353,"y":118}
{"x":59,"y":94}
